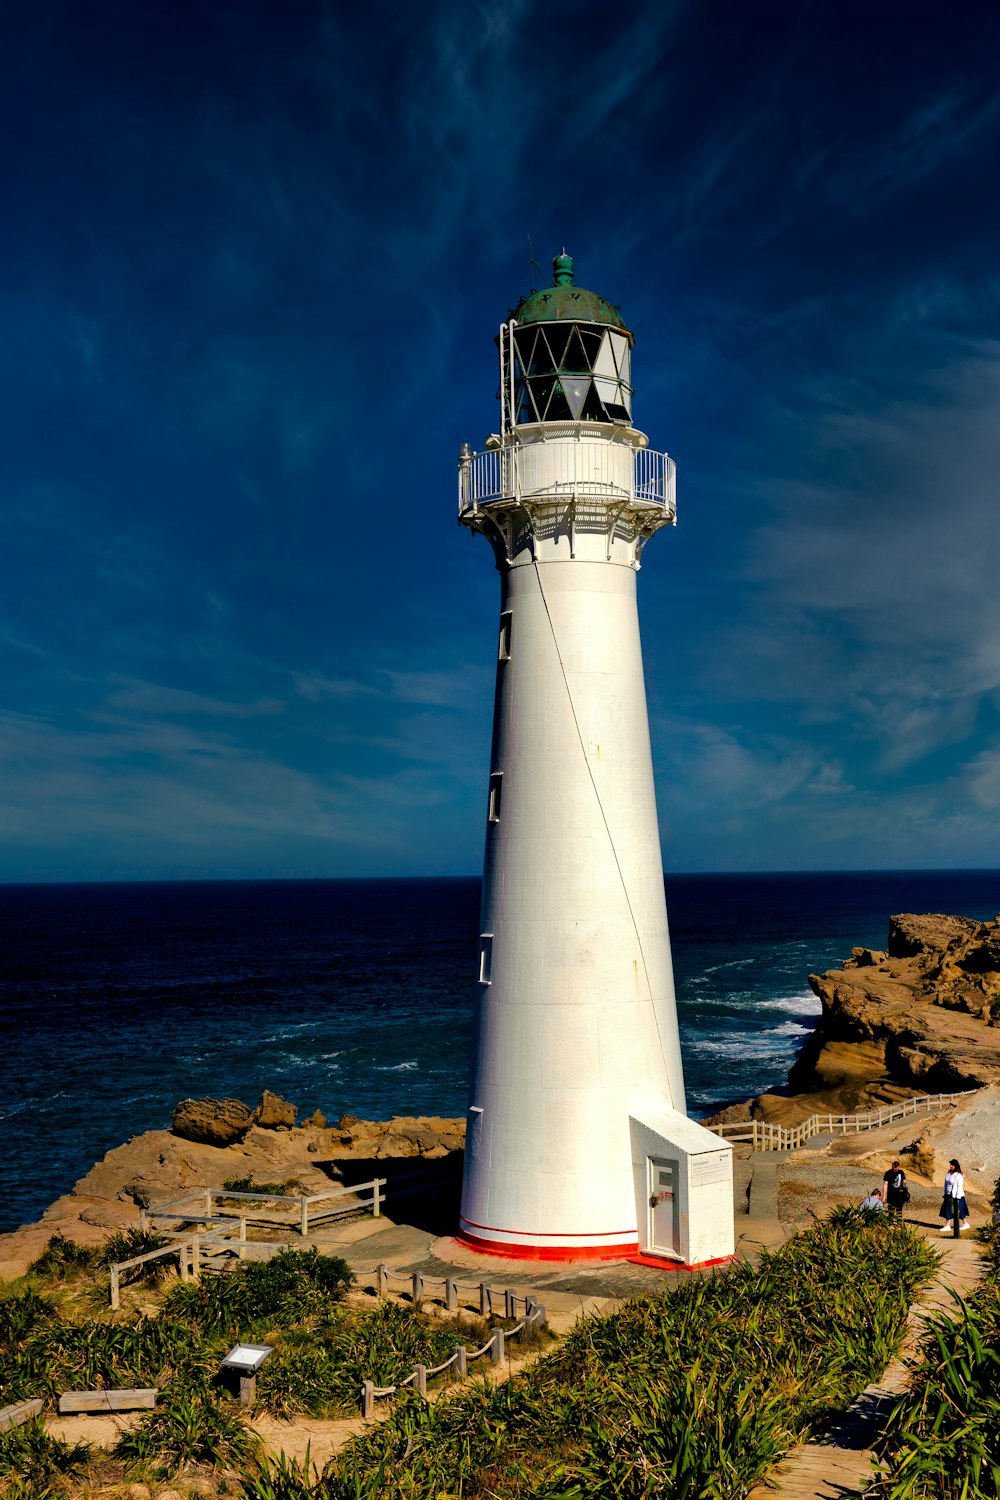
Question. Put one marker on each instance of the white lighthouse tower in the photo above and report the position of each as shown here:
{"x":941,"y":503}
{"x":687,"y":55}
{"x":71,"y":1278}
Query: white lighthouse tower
{"x":578,"y":1145}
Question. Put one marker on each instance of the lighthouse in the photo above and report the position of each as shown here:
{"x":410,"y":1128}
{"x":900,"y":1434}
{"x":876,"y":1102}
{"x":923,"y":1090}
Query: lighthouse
{"x":578,"y":1144}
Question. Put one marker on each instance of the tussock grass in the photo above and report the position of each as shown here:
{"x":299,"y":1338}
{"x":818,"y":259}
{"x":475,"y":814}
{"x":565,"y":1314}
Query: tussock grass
{"x":34,"y":1465}
{"x":62,"y":1259}
{"x":943,"y":1440}
{"x":692,"y":1394}
{"x":188,"y":1426}
{"x":247,"y":1185}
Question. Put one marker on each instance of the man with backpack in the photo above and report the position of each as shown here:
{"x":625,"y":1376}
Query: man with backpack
{"x":895,"y":1193}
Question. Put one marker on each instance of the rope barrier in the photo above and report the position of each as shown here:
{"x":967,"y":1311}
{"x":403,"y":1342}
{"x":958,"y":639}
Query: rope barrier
{"x":495,"y":1347}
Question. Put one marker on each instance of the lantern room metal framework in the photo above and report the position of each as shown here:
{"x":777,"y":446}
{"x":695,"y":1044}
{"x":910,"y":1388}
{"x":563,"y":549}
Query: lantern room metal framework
{"x":578,"y":1144}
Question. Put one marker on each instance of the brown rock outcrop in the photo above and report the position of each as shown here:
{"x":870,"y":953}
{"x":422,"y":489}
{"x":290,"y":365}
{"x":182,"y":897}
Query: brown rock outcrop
{"x":211,"y":1122}
{"x":924,"y":1015}
{"x":160,"y":1164}
{"x":274,"y":1113}
{"x":404,"y":1135}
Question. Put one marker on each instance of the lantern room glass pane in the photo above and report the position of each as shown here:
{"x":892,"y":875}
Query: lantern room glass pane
{"x":575,"y":388}
{"x":551,"y":368}
{"x":556,"y":337}
{"x":620,"y":349}
{"x":605,"y":361}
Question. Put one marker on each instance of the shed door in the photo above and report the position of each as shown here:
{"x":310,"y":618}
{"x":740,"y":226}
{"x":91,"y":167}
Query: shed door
{"x":663,"y":1206}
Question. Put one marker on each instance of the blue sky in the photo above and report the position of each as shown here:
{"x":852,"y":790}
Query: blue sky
{"x":254,"y":262}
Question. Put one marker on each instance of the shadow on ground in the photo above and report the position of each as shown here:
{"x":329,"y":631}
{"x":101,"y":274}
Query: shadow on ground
{"x":425,"y":1194}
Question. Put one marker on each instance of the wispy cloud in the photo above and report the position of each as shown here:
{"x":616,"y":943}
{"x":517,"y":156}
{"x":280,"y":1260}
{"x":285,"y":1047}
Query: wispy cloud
{"x":938,"y":128}
{"x":153,"y":699}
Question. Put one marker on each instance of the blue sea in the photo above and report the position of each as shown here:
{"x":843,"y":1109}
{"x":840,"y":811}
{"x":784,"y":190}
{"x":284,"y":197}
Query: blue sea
{"x":355,"y":996}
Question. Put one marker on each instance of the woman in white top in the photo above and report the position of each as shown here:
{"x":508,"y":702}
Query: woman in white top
{"x":954,"y":1197}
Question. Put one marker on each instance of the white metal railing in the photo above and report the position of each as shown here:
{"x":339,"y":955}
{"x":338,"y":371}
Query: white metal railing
{"x":767,"y":1137}
{"x":655,"y":478}
{"x":567,"y":470}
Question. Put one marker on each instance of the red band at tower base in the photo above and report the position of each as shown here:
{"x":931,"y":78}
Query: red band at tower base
{"x":510,"y":1251}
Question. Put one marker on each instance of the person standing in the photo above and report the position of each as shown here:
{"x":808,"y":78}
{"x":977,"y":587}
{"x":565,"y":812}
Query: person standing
{"x":895,"y":1193}
{"x":954,"y":1202}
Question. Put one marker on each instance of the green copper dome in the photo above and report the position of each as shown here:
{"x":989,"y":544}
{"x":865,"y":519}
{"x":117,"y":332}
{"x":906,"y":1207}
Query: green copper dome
{"x":565,"y":302}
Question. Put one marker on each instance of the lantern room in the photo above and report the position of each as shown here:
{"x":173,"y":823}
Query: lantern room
{"x":565,"y":356}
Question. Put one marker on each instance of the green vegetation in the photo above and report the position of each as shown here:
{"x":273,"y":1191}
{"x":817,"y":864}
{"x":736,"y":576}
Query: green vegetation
{"x":283,"y":1292}
{"x":34,"y":1465}
{"x":323,"y":1350}
{"x":127,"y":1244}
{"x":691,"y":1394}
{"x":62,"y":1259}
{"x":189,"y":1425}
{"x":247,"y":1185}
{"x":943,"y":1440}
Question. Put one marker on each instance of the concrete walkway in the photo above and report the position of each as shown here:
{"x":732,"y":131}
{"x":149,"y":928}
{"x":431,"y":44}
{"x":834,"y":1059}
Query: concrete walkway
{"x":840,"y":1464}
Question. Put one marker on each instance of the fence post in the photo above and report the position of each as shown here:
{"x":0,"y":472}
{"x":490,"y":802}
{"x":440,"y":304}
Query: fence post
{"x":450,"y":1295}
{"x":421,"y":1381}
{"x":376,"y":1200}
{"x":304,"y":1218}
{"x":497,"y":1351}
{"x":242,"y":1242}
{"x":367,"y":1399}
{"x":509,"y":1304}
{"x":208,"y":1203}
{"x":381,"y":1280}
{"x":142,"y":1218}
{"x":114,"y":1286}
{"x":538,"y":1314}
{"x":418,"y":1289}
{"x":461,"y":1361}
{"x":195,"y":1256}
{"x":183,"y":1260}
{"x":484,"y":1299}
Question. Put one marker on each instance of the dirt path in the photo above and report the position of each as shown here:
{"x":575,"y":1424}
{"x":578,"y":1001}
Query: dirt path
{"x":840,"y":1464}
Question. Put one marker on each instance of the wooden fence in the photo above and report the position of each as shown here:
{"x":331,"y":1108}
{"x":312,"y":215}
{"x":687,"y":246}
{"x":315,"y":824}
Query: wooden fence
{"x":495,"y":1347}
{"x":230,"y":1230}
{"x":767,"y":1137}
{"x":304,"y":1205}
{"x":485,"y":1294}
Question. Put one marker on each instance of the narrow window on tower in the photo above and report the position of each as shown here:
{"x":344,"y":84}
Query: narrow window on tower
{"x":496,"y":787}
{"x":486,"y":958}
{"x":505,"y":624}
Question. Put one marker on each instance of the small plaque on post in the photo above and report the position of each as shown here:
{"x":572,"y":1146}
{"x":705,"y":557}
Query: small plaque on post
{"x":242,"y":1363}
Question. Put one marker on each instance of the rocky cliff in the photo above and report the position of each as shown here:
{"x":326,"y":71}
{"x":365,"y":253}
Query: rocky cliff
{"x":920,"y":1017}
{"x":215,"y":1141}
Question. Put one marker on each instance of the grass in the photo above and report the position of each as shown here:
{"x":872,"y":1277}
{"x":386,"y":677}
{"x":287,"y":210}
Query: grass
{"x":62,"y":1259}
{"x":692,"y":1394}
{"x":323,"y":1350}
{"x":189,"y":1426}
{"x":943,"y":1440}
{"x":34,"y":1465}
{"x":247,"y":1185}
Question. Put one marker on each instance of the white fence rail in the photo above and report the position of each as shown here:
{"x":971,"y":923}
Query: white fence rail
{"x":228,"y":1231}
{"x":767,"y":1137}
{"x":304,"y":1206}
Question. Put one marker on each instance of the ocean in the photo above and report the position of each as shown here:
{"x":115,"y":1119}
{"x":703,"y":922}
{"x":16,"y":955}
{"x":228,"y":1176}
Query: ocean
{"x":355,"y":996}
